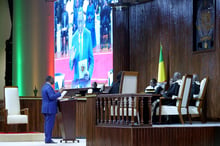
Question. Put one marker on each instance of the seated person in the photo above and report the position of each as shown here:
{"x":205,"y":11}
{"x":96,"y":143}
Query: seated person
{"x":171,"y":81}
{"x":174,"y":88}
{"x":195,"y":89}
{"x":94,"y":85}
{"x":153,"y":87}
{"x":95,"y":88}
{"x":175,"y":83}
{"x":115,"y":86}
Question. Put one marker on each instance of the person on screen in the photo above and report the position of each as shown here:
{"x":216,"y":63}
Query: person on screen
{"x":90,"y":21}
{"x":64,"y":30}
{"x":75,"y":15}
{"x":105,"y":21}
{"x":49,"y":107}
{"x":81,"y":55}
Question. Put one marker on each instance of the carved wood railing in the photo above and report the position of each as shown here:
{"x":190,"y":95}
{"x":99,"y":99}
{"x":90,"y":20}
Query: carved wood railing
{"x":123,"y":109}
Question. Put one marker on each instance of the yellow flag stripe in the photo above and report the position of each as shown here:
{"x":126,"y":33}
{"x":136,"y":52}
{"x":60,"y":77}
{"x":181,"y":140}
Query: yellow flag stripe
{"x":161,"y":72}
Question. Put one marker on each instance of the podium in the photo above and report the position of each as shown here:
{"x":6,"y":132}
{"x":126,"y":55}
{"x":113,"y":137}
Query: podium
{"x":67,"y":119}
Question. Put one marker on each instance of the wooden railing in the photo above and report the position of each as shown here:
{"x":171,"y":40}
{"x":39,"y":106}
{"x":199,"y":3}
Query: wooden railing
{"x":123,"y":109}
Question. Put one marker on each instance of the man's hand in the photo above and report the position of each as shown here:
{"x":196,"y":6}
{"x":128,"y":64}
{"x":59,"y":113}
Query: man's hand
{"x":61,"y":90}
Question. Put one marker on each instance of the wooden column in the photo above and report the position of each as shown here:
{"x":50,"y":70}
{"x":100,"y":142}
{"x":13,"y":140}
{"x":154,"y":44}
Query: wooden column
{"x":120,"y":39}
{"x":91,"y":120}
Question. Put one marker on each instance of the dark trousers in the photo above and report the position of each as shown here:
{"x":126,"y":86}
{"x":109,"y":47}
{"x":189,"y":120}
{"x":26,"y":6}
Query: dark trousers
{"x":49,"y":120}
{"x":64,"y":36}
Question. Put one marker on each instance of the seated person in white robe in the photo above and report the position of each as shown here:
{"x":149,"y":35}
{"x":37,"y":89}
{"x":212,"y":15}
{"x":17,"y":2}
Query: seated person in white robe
{"x":154,"y":87}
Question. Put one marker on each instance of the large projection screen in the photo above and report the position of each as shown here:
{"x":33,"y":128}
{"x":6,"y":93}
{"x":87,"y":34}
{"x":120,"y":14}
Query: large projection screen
{"x":73,"y":70}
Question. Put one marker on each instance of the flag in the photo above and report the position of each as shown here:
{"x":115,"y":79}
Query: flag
{"x":161,"y":67}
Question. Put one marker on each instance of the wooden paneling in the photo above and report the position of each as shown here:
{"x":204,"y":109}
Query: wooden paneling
{"x":113,"y":136}
{"x":120,"y":39}
{"x":36,"y":119}
{"x":180,"y":136}
{"x":170,"y":23}
{"x":159,"y":136}
{"x":81,"y":118}
{"x":1,"y":115}
{"x":91,"y":121}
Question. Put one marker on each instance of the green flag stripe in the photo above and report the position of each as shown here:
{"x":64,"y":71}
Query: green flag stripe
{"x":161,"y":54}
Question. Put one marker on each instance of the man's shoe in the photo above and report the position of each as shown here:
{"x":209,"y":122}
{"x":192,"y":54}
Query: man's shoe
{"x":51,"y":142}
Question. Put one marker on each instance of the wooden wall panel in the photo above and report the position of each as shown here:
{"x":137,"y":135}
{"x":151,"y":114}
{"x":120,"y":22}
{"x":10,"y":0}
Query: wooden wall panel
{"x":35,"y":116}
{"x":113,"y":136}
{"x":36,"y":119}
{"x":180,"y":136}
{"x":157,"y":136}
{"x":81,"y":118}
{"x":91,"y":121}
{"x":120,"y":40}
{"x":1,"y":115}
{"x":170,"y":23}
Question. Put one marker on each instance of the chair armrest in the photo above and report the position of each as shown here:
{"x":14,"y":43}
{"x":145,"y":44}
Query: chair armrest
{"x":178,"y":98}
{"x":25,"y":111}
{"x":174,"y":97}
{"x":195,"y":95}
{"x":165,"y":98}
{"x":197,"y":99}
{"x":162,"y":98}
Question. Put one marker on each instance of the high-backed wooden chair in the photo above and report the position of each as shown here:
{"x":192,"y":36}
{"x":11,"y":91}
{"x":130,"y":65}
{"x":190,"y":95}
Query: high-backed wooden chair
{"x":12,"y":112}
{"x":198,"y":108}
{"x":182,"y":101}
{"x":129,"y":82}
{"x":128,"y":85}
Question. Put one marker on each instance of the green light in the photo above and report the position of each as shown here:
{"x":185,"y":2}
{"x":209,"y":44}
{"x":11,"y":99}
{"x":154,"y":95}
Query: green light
{"x":18,"y":45}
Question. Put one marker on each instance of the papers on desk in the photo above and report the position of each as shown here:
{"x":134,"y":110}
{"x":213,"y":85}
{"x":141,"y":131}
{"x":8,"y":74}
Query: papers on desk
{"x":62,"y":95}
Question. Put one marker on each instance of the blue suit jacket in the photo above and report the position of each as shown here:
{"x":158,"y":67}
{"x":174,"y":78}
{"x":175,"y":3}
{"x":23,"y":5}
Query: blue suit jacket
{"x":87,"y":53}
{"x":49,"y":99}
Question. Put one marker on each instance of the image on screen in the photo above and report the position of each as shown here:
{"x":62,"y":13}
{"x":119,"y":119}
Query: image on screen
{"x":83,"y":43}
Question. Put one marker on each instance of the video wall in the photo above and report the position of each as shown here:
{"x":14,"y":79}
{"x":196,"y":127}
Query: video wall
{"x":83,"y":43}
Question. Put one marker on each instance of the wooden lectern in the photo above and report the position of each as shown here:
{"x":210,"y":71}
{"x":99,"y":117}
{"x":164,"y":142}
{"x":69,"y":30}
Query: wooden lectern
{"x":67,"y":119}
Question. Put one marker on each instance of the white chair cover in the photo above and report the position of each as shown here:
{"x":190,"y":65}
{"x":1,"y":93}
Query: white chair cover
{"x":12,"y":104}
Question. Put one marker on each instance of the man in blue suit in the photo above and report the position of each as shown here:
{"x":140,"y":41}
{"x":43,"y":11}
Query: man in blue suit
{"x":49,"y":107}
{"x":81,"y":56}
